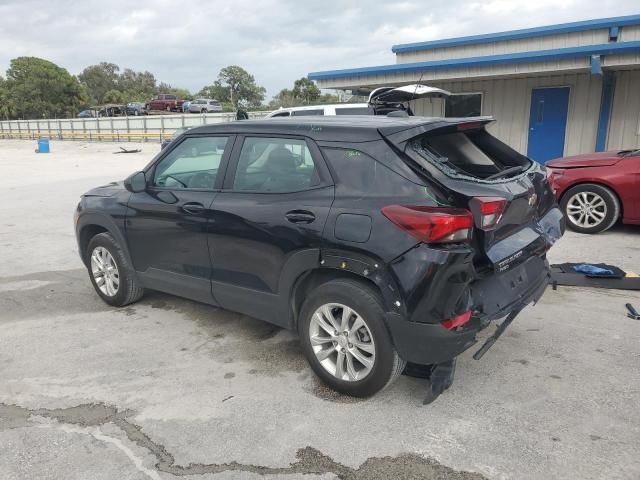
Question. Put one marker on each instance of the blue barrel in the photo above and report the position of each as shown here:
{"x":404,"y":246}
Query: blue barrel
{"x":43,"y":145}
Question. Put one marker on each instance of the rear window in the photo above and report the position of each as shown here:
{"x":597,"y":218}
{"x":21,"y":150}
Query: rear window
{"x":305,"y":113}
{"x":354,"y":111}
{"x":473,"y":153}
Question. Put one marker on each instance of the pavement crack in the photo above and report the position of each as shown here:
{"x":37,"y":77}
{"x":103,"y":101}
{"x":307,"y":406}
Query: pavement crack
{"x":88,"y":418}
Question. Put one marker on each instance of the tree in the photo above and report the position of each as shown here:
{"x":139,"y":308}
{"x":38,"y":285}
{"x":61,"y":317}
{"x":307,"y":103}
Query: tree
{"x":329,"y":98}
{"x":137,"y":86}
{"x":6,"y":107}
{"x":305,"y":91}
{"x":284,"y":98}
{"x":181,"y":93}
{"x":99,"y":79}
{"x":242,"y":87}
{"x":114,"y":96}
{"x":37,"y":88}
{"x":216,"y":92}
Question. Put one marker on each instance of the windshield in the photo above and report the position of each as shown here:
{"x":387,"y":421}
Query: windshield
{"x":474,"y":154}
{"x":629,"y":153}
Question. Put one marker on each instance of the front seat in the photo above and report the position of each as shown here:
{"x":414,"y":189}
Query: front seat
{"x":281,"y":171}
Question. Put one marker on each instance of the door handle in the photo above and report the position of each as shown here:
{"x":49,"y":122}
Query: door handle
{"x":300,"y":216}
{"x":193,"y":207}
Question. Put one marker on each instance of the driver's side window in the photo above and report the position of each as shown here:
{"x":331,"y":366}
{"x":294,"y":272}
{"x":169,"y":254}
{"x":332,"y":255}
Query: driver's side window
{"x":192,"y":164}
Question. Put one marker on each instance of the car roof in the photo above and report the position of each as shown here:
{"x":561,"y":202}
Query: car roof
{"x":347,"y":128}
{"x":321,"y":107}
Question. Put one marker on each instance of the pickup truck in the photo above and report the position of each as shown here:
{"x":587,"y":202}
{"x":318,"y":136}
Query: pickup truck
{"x":164,"y":102}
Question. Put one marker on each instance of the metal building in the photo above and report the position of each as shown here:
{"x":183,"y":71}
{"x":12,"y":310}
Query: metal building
{"x":555,"y":90}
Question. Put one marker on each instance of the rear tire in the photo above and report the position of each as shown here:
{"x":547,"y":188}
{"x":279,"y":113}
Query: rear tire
{"x":590,"y":208}
{"x":367,"y":339}
{"x":104,"y":250}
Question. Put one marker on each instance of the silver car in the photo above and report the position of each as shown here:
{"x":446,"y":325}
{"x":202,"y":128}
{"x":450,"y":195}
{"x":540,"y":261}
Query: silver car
{"x":205,"y":105}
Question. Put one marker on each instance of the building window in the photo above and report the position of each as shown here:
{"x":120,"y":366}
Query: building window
{"x":463,"y":105}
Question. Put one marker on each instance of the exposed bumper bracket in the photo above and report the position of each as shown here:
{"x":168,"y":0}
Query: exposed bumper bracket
{"x":441,"y":378}
{"x":499,"y":331}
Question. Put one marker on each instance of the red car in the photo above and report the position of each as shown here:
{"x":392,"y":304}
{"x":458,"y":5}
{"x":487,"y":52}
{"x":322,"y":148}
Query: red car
{"x":164,"y":102}
{"x":596,"y":189}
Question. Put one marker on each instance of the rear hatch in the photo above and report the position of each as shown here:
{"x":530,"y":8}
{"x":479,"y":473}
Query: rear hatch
{"x":514,"y":211}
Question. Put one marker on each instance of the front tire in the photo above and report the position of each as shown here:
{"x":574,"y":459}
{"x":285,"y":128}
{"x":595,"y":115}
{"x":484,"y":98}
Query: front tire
{"x":590,"y":208}
{"x":345,"y":339}
{"x":111,"y":274}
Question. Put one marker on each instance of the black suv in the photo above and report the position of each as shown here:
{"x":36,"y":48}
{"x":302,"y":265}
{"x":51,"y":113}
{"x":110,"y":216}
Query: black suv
{"x":381,"y":240}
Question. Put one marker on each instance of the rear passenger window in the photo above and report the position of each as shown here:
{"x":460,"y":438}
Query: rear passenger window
{"x":307,"y":113}
{"x":359,"y":176}
{"x":354,"y":111}
{"x":275,"y":165}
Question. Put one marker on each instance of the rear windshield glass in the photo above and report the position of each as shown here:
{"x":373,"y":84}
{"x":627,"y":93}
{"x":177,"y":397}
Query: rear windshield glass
{"x":354,"y":111}
{"x":305,"y":113}
{"x":474,"y":153}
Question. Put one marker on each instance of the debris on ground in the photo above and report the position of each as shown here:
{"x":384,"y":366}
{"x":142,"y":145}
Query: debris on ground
{"x":124,"y":150}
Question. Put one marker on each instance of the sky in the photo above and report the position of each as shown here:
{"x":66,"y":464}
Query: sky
{"x":186,"y":43}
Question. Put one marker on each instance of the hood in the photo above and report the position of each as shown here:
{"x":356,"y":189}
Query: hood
{"x":599,"y":159}
{"x":108,"y":190}
{"x":405,"y":94}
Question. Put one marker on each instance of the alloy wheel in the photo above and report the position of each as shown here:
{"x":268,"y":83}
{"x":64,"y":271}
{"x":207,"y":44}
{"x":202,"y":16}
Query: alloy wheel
{"x":105,"y":271}
{"x":342,"y":342}
{"x":586,"y":209}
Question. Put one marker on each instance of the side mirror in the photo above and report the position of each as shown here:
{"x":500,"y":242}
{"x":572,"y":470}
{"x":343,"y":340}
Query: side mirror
{"x":136,"y":182}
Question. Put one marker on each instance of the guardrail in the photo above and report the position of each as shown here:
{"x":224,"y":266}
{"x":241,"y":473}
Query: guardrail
{"x":112,"y":129}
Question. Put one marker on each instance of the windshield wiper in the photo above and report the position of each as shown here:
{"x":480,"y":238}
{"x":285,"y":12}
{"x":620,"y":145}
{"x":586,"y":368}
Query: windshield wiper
{"x":506,"y":172}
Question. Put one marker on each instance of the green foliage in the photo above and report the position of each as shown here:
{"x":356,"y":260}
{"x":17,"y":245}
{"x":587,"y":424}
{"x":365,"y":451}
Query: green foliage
{"x":181,"y":93}
{"x":216,"y":92}
{"x":242,"y":87}
{"x":327,"y":98}
{"x":6,"y":107}
{"x":136,"y":86}
{"x":305,"y":91}
{"x":284,"y":98}
{"x":115,"y":96}
{"x":37,"y":88}
{"x":100,"y":79}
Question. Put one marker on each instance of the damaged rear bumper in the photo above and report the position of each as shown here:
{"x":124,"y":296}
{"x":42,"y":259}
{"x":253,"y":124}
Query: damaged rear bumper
{"x":494,"y":297}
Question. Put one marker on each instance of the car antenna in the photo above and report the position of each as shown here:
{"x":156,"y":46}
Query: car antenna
{"x":415,"y":90}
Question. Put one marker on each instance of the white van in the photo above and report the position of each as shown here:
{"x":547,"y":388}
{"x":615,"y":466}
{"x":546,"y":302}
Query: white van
{"x":381,"y":101}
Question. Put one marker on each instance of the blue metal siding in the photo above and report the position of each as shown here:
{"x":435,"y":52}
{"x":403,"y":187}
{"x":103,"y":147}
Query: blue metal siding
{"x":518,"y":34}
{"x":507,"y":58}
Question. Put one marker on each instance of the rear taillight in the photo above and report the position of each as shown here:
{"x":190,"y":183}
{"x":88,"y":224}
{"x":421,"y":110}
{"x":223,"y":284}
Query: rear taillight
{"x":432,"y":224}
{"x":456,"y":321}
{"x":487,"y":210}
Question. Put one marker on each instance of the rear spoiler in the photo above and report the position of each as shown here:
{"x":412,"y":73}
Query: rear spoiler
{"x":401,"y":134}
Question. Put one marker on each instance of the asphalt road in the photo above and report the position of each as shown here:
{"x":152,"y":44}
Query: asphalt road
{"x":170,"y":388}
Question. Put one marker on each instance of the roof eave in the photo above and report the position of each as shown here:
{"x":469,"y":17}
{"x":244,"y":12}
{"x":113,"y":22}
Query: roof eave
{"x":520,"y":34}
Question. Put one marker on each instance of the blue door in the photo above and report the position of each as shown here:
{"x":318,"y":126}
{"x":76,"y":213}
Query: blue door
{"x":547,"y":123}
